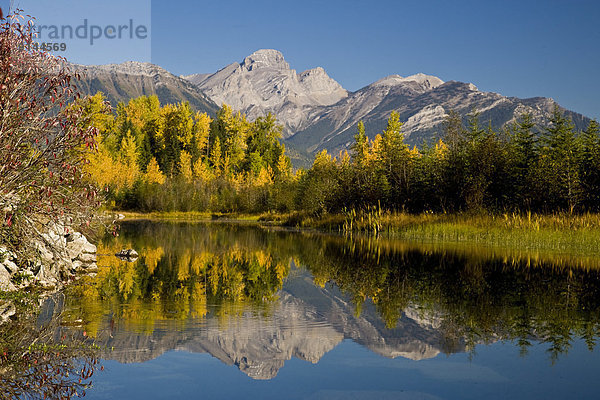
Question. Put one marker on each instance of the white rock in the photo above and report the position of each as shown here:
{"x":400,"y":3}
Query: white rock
{"x":7,"y":310}
{"x":264,"y":83}
{"x":91,"y":267}
{"x":77,"y":266}
{"x":87,"y":258}
{"x":78,"y":244}
{"x":45,"y":254}
{"x":6,"y":284}
{"x":47,"y":276}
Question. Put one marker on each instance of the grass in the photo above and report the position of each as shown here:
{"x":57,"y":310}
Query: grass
{"x":563,"y":233}
{"x":560,"y":233}
{"x":188,"y":216}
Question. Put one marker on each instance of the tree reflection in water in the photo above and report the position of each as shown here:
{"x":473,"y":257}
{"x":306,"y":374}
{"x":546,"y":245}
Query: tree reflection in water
{"x":474,"y":295}
{"x":41,"y":359}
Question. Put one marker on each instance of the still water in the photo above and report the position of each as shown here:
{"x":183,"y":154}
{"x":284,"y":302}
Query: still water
{"x":214,"y":310}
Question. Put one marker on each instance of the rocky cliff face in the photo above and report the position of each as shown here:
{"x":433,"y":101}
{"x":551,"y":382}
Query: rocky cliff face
{"x":317,"y":112}
{"x":264,"y":82}
{"x":305,"y":323}
{"x":122,"y":82}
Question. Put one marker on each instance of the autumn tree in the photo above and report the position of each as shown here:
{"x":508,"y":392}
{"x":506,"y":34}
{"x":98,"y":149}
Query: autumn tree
{"x":396,"y":161}
{"x":44,"y":144}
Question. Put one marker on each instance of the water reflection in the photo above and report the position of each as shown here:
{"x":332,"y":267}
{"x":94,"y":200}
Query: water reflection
{"x":255,"y":298}
{"x":41,"y":359}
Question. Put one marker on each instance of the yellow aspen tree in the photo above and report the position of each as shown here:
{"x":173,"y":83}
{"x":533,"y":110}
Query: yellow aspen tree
{"x":153,"y":173}
{"x":129,"y":159}
{"x":201,"y":171}
{"x":215,"y":155}
{"x":186,"y":165}
{"x":202,"y":132}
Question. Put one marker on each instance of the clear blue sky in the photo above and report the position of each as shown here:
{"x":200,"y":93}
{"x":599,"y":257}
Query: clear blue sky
{"x":517,"y":48}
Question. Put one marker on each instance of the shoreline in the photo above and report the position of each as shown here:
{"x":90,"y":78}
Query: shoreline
{"x":556,"y":234}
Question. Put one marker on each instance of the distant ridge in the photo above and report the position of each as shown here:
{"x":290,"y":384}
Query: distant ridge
{"x":316,"y":111}
{"x":122,"y":82}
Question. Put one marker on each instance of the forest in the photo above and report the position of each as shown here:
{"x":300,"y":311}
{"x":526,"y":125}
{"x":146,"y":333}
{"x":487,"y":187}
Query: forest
{"x":171,"y":158}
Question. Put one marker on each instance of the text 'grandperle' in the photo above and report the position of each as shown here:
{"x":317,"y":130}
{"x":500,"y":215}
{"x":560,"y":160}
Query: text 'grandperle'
{"x":93,"y":32}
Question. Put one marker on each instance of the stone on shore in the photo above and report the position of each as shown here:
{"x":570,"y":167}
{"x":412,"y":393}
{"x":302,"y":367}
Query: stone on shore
{"x":6,"y":284}
{"x":59,"y":258}
{"x":128,"y":255}
{"x":7,"y":310}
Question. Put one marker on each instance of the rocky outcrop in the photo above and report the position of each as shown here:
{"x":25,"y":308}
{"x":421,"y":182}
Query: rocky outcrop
{"x":122,"y":82}
{"x":264,"y":82}
{"x":59,"y":258}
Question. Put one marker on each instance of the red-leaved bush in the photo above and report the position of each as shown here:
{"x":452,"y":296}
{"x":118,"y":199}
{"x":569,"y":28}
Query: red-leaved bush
{"x":44,"y":142}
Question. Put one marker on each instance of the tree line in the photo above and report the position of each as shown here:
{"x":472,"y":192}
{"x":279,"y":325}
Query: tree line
{"x":170,"y":158}
{"x":521,"y":167}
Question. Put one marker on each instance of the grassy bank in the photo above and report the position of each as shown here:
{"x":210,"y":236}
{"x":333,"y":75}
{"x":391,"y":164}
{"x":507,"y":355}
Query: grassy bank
{"x":189,"y":216}
{"x":565,"y":233}
{"x":556,"y":233}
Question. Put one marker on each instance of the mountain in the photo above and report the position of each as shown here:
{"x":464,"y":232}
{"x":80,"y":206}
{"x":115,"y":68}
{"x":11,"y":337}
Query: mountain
{"x":264,"y":82}
{"x":317,"y":113}
{"x":423,"y":103}
{"x":122,"y":82}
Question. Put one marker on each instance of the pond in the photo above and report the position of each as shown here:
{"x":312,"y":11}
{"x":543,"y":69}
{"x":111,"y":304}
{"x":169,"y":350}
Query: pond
{"x":217,"y":310}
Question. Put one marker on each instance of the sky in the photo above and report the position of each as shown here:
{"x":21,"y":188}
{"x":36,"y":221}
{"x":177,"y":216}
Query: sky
{"x":516,"y":48}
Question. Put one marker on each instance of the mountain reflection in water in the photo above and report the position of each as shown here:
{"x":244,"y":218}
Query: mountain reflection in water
{"x":255,"y":298}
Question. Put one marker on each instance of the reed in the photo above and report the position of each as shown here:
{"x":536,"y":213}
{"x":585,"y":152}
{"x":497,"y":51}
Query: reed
{"x":562,"y":232}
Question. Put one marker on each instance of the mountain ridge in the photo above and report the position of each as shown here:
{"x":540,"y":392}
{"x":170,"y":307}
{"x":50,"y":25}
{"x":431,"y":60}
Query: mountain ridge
{"x":122,"y":82}
{"x":316,"y":111}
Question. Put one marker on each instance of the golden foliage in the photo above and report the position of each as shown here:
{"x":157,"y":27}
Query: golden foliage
{"x":153,"y":173}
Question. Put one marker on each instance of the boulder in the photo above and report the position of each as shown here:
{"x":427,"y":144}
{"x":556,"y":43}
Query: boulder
{"x":128,"y":255}
{"x":46,"y":255}
{"x":48,"y":275}
{"x":78,"y":244}
{"x":11,"y":267}
{"x":6,"y":284}
{"x":55,"y":238}
{"x":87,"y":258}
{"x":7,"y":310}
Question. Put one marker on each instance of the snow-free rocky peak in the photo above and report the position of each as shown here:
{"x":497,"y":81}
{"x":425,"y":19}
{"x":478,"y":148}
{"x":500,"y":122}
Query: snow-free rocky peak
{"x":266,"y":58}
{"x":264,"y":82}
{"x":425,"y":81}
{"x":128,"y":67}
{"x":316,"y":111}
{"x":122,"y":82}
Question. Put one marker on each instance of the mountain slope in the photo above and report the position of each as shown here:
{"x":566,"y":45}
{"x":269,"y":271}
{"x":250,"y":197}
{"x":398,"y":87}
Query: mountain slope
{"x":422,"y":109}
{"x":318,"y":113}
{"x":122,"y":82}
{"x":264,"y":82}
